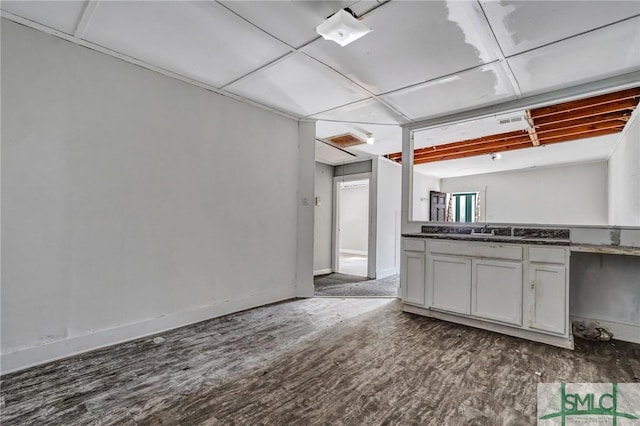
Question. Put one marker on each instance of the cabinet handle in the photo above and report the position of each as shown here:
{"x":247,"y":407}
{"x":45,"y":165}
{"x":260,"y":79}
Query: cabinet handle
{"x":533,"y":285}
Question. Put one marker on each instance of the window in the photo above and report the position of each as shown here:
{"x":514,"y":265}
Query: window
{"x":465,"y":207}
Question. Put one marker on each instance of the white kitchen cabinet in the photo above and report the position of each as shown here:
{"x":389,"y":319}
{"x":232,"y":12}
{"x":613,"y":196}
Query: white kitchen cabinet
{"x":449,"y":283}
{"x":548,"y":298}
{"x":413,"y":280}
{"x":412,"y":276}
{"x":496,"y":290}
{"x":517,"y":289}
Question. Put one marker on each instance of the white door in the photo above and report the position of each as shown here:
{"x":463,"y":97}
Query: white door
{"x":413,"y":278}
{"x":548,"y":298}
{"x":450,"y":283}
{"x":496,"y":290}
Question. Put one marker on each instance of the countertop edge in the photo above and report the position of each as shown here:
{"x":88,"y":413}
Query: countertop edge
{"x":492,"y":239}
{"x":575,"y":247}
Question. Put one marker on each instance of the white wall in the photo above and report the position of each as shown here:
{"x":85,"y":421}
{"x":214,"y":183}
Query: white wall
{"x":132,"y":202}
{"x":354,"y":219}
{"x":573,"y":194}
{"x":389,"y":188}
{"x":306,"y":183}
{"x":322,"y":227}
{"x":422,"y":186}
{"x":624,"y":178}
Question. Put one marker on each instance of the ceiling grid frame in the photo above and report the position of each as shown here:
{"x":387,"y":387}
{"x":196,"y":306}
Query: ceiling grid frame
{"x":85,"y":18}
{"x":501,"y":57}
{"x":135,"y":61}
{"x":373,"y":105}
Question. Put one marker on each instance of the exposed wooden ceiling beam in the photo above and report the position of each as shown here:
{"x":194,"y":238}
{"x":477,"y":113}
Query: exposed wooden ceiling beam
{"x":624,"y":105}
{"x":620,"y":117}
{"x":454,"y":156}
{"x":587,"y":102}
{"x":578,"y":130}
{"x":532,"y":129}
{"x":471,"y":142}
{"x":584,"y":118}
{"x":495,"y":145}
{"x":572,"y":137}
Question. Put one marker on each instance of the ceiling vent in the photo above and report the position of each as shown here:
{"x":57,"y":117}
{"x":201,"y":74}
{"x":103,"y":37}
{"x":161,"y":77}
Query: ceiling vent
{"x":345,"y":140}
{"x":510,"y":120}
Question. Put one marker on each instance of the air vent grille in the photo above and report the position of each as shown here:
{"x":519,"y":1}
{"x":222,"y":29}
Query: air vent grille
{"x":510,"y":120}
{"x":345,"y":140}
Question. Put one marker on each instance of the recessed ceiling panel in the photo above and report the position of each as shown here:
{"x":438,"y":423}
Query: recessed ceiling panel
{"x":411,"y":42}
{"x":607,"y":52}
{"x":299,"y":85}
{"x":367,"y":111}
{"x":327,"y":154}
{"x":581,"y":151}
{"x":524,"y":25}
{"x":293,"y":22}
{"x":387,"y":139}
{"x":201,"y":40}
{"x":60,"y":15}
{"x":468,"y":90}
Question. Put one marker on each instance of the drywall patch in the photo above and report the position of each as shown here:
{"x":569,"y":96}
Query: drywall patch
{"x":614,"y":234}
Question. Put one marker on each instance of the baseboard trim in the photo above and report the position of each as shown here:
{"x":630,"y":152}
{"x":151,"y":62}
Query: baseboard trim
{"x":359,"y":252}
{"x":322,"y":272}
{"x":30,"y":357}
{"x":621,"y":330}
{"x":384,"y":273}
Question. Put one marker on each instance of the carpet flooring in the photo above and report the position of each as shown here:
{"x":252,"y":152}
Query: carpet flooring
{"x":317,"y":361}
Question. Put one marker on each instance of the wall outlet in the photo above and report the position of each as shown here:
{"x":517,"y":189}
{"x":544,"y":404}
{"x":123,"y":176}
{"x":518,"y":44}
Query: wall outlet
{"x":318,"y":201}
{"x":305,"y":201}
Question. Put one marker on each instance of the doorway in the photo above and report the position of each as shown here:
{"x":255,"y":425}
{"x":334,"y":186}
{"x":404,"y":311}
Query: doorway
{"x":352,"y":227}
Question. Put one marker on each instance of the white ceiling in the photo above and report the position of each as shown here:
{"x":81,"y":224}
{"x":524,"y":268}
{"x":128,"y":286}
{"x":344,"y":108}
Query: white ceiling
{"x":423,"y":59}
{"x":582,"y":151}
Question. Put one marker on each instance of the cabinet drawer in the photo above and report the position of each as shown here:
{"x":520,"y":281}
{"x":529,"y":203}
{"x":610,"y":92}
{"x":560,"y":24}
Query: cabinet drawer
{"x":412,"y":244}
{"x":547,"y":255}
{"x":492,"y":251}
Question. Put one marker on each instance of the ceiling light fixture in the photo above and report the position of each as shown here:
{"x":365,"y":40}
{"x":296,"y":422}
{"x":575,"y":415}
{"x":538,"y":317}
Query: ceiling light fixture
{"x":342,"y":27}
{"x":370,"y":139}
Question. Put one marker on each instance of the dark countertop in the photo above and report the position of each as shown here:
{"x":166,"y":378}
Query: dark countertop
{"x":609,"y":249}
{"x":493,"y":239}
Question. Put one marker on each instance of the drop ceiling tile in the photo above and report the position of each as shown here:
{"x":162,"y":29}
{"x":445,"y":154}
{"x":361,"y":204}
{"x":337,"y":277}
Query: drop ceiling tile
{"x":367,"y":111}
{"x":468,"y":90}
{"x":293,"y":22}
{"x":60,"y":15}
{"x":607,"y":52}
{"x":411,"y":42}
{"x":388,"y":138}
{"x":327,"y":154}
{"x":298,"y":85}
{"x":524,"y":25}
{"x":200,"y":40}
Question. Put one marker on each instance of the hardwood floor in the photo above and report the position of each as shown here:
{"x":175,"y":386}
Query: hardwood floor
{"x":314,"y":361}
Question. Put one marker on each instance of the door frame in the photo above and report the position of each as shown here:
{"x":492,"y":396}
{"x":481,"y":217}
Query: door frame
{"x":371,"y":243}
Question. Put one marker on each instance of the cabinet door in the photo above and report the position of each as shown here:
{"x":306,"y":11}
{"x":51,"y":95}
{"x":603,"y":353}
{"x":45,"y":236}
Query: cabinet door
{"x":548,"y":298}
{"x":413,"y":278}
{"x":450,"y":283}
{"x":496,"y":290}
